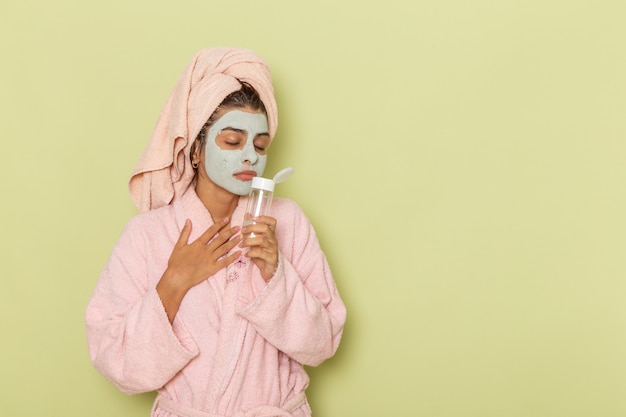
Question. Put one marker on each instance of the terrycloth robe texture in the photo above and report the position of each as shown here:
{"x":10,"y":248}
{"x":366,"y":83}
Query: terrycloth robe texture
{"x":238,"y":344}
{"x":163,"y":171}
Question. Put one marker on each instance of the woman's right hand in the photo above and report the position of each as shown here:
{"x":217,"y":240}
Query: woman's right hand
{"x":192,"y":263}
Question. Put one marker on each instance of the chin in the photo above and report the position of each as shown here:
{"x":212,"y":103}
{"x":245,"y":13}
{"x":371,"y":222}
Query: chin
{"x":240,"y":189}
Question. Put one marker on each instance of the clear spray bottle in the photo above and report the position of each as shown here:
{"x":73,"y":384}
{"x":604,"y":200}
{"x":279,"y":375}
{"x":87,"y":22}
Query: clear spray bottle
{"x":261,"y":194}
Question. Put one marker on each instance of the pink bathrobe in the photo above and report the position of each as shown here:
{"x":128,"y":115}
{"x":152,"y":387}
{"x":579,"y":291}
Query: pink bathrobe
{"x":238,"y":344}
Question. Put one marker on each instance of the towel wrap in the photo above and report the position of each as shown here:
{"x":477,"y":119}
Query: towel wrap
{"x":164,"y":172}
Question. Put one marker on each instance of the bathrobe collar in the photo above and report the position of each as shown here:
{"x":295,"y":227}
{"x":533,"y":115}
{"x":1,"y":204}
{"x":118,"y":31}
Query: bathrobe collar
{"x":189,"y":206}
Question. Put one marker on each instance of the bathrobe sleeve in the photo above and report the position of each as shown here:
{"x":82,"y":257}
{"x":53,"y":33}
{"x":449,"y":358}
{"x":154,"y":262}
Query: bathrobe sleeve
{"x":131,"y":341}
{"x":299,"y":311}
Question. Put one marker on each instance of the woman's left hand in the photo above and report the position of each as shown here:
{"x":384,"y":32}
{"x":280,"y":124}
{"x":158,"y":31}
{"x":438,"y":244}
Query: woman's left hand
{"x":263,"y":246}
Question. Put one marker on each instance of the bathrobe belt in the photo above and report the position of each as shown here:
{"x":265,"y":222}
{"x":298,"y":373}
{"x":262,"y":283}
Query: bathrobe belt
{"x":181,"y":410}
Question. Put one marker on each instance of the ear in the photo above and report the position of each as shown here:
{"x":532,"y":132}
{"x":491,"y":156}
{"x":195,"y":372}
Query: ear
{"x":195,"y":151}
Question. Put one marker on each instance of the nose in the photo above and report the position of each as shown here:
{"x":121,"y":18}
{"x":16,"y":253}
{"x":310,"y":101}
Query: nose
{"x":249,"y":155}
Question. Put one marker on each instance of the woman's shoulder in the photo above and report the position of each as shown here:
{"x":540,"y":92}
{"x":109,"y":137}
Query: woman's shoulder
{"x":286,"y":206}
{"x":289,"y":211}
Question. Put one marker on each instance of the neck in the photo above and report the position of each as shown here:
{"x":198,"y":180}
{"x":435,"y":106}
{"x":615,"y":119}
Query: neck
{"x":220,"y":202}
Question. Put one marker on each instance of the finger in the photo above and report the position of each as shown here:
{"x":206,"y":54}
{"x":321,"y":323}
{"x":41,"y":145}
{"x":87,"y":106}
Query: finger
{"x":267,"y":220}
{"x":184,"y":235}
{"x":222,"y":237}
{"x":258,"y":229}
{"x":227,"y":260}
{"x":225,"y":247}
{"x":263,"y":237}
{"x":264,"y":240}
{"x":258,"y":241}
{"x":260,"y":254}
{"x":212,"y":231}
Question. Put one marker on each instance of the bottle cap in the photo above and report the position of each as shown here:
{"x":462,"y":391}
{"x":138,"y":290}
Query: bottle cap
{"x":283,"y":175}
{"x":261,"y":183}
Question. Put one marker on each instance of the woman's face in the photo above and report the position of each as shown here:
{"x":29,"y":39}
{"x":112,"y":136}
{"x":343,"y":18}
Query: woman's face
{"x":236,"y":149}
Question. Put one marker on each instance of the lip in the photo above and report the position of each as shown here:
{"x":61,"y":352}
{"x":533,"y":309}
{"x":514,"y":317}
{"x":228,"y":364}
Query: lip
{"x":245,"y":175}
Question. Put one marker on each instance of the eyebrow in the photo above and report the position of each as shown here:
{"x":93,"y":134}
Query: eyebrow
{"x":234,"y":129}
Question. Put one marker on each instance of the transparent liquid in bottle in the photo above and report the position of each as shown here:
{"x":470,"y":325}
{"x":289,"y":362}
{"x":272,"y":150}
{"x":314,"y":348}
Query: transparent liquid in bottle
{"x":259,"y":200}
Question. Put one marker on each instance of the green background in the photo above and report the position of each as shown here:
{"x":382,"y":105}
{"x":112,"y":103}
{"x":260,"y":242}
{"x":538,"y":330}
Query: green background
{"x":462,"y":161}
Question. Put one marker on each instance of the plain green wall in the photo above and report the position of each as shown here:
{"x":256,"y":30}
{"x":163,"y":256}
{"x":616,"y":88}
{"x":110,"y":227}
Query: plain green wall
{"x":463,"y":162}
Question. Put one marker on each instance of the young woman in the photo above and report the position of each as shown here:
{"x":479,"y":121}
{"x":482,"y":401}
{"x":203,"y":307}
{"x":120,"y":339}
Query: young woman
{"x":220,"y":323}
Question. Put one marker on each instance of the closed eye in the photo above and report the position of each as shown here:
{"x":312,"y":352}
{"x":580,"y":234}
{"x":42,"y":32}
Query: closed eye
{"x":232,"y":137}
{"x":261,"y":142}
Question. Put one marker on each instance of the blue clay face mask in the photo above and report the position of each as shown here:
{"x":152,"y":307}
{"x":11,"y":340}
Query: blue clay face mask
{"x":247,"y":134}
